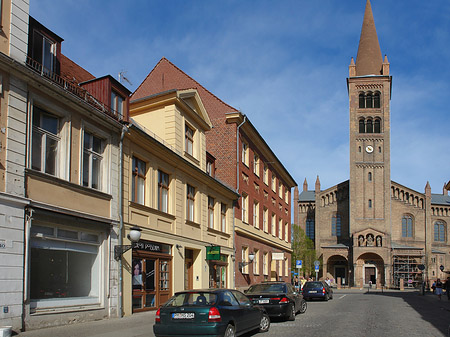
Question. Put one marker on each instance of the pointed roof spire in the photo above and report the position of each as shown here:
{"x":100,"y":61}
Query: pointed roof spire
{"x":317,"y":189}
{"x":369,"y":60}
{"x":305,"y":186}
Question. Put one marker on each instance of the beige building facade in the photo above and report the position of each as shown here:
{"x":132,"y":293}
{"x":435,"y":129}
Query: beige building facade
{"x":369,"y":229}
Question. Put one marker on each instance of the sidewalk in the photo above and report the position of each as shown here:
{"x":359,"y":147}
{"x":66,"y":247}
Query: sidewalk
{"x":136,"y":325}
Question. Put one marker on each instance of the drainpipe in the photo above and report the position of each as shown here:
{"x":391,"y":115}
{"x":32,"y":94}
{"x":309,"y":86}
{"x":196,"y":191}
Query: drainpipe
{"x":122,"y":135}
{"x":237,"y":191}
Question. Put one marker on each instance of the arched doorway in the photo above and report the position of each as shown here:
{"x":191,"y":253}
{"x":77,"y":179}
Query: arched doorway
{"x":337,"y":267}
{"x":370,"y":269}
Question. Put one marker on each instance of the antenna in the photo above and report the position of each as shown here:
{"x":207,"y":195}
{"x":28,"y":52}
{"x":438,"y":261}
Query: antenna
{"x":122,"y":77}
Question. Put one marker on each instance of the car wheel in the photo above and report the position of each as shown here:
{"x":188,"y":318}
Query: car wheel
{"x":326,"y":297}
{"x":291,"y":315}
{"x":264,"y":325}
{"x":229,"y":331}
{"x":303,"y":307}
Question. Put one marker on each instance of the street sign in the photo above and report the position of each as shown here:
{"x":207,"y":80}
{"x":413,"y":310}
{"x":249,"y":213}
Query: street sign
{"x":421,"y":267}
{"x":298,"y":263}
{"x":316,"y":268}
{"x":316,"y":263}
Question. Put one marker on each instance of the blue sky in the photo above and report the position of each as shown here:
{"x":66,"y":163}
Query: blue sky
{"x":284,"y":64}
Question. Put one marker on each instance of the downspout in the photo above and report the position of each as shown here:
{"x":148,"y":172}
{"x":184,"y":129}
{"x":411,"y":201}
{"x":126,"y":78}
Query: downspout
{"x":237,"y":191}
{"x":122,"y":135}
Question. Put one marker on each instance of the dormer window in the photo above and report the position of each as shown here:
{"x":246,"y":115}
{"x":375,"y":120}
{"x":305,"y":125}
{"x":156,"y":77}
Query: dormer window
{"x":44,"y":52}
{"x":189,"y":136}
{"x":116,"y":103}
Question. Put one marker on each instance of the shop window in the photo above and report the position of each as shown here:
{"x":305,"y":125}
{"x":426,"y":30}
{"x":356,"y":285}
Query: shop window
{"x":138,"y":181}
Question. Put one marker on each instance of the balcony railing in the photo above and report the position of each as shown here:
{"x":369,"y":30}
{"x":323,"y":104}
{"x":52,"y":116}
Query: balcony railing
{"x":73,"y":88}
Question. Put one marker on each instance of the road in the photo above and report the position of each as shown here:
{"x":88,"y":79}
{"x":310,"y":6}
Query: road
{"x":369,"y":314}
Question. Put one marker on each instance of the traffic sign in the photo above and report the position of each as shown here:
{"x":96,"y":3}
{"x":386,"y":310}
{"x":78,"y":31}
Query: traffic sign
{"x":316,"y":263}
{"x":298,"y":263}
{"x":316,"y":268}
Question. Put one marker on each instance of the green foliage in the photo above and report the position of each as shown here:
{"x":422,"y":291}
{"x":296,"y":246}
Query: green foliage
{"x":303,"y":249}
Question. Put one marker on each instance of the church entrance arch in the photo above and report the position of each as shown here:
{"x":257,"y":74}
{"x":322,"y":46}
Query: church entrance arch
{"x":370,"y":269}
{"x":337,"y":267}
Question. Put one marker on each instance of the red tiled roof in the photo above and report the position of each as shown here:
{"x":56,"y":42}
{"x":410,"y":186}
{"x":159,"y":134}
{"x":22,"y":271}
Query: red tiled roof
{"x":166,"y":76}
{"x":72,"y":72}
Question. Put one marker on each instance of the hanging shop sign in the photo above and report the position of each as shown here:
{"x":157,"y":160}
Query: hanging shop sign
{"x":213,"y":253}
{"x":153,"y":247}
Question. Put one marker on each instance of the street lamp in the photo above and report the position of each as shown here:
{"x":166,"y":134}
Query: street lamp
{"x":134,"y":236}
{"x":251,"y":257}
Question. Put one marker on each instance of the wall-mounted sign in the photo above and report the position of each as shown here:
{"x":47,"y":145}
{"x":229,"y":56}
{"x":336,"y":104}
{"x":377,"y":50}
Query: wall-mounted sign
{"x":277,"y":256}
{"x":153,"y":247}
{"x":213,"y":252}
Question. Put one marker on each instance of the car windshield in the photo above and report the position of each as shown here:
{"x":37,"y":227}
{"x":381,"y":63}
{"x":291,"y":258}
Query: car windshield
{"x":313,"y":285}
{"x":192,"y":299}
{"x":267,"y":288}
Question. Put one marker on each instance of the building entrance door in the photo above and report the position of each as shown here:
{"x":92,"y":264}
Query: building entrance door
{"x":340,"y":272}
{"x":188,"y":270}
{"x":144,"y":284}
{"x":369,"y":275}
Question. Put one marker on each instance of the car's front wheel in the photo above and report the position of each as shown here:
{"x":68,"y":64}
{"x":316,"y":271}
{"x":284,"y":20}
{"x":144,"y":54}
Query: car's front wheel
{"x":264,"y":324}
{"x":230,"y":331}
{"x":303,"y":307}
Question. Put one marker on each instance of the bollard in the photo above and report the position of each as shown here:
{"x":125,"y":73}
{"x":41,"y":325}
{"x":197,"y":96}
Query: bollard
{"x":338,"y":285}
{"x":402,"y":286}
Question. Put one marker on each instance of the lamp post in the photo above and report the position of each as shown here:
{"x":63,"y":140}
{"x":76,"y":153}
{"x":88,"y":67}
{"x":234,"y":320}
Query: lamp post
{"x":134,"y":236}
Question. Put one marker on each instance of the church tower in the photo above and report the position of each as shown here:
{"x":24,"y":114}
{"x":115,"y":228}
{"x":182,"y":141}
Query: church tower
{"x":369,"y":89}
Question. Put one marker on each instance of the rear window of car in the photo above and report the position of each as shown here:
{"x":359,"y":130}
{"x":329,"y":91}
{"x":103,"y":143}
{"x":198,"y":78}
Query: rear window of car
{"x":267,"y":288}
{"x":313,"y":285}
{"x":192,"y":299}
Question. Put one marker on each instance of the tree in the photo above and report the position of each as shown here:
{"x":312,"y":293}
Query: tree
{"x":303,"y":249}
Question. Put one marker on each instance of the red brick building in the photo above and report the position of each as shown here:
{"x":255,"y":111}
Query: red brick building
{"x":241,"y":159}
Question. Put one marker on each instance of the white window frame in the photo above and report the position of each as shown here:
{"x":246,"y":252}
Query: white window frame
{"x":223,"y":216}
{"x":265,"y":220}
{"x":211,"y":212}
{"x":273,"y":224}
{"x":266,"y":175}
{"x":244,"y":208}
{"x":256,"y":164}
{"x":256,"y":262}
{"x":274,"y":183}
{"x":265,"y":263}
{"x":245,"y":153}
{"x":244,"y":257}
{"x":256,"y":214}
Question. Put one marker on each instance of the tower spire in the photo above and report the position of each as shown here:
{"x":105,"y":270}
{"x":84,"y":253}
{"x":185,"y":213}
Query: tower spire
{"x":369,"y":60}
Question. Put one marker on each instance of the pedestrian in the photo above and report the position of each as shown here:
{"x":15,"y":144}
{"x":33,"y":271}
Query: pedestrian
{"x":447,"y":287}
{"x":438,"y":290}
{"x":433,"y":287}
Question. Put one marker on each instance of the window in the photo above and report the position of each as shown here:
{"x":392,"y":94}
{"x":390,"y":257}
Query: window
{"x":190,"y":201}
{"x":44,"y":52}
{"x":209,"y":168}
{"x":244,"y":257}
{"x":369,"y":102}
{"x":439,"y":231}
{"x":210,"y":212}
{"x":256,"y":214}
{"x":310,"y":228}
{"x":266,"y":174}
{"x":286,"y":232}
{"x":362,"y":101}
{"x":376,"y":100}
{"x":370,"y":203}
{"x":407,"y":226}
{"x":245,"y":208}
{"x":286,"y":268}
{"x":265,"y":219}
{"x":369,"y":126}
{"x":274,"y":184}
{"x":117,"y":103}
{"x":286,"y":196}
{"x":189,"y":137}
{"x":273,"y":225}
{"x":256,"y":262}
{"x":45,"y":141}
{"x":265,"y":263}
{"x":377,"y":126}
{"x":336,"y":225}
{"x":138,"y":181}
{"x":223,"y":217}
{"x":244,"y":153}
{"x":92,"y":160}
{"x":369,"y":176}
{"x":280,"y":228}
{"x":163,"y":191}
{"x":280,"y":189}
{"x":256,"y":165}
{"x":362,"y":126}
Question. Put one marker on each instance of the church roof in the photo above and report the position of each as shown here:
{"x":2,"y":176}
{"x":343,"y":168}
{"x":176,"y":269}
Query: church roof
{"x":307,"y":196}
{"x":440,"y":199}
{"x":368,"y":60}
{"x":398,"y":246}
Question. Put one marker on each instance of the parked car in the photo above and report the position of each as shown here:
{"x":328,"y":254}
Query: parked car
{"x":317,"y":289}
{"x":280,"y":299}
{"x":212,"y":312}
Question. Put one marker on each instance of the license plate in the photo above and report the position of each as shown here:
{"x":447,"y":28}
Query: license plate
{"x":183,"y":315}
{"x":263,"y":301}
{"x":313,"y":291}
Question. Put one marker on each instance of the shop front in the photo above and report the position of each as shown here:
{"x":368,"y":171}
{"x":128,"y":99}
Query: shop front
{"x":218,"y":267}
{"x":151,"y":271}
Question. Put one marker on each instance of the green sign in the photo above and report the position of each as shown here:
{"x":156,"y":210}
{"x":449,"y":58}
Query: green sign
{"x":213,"y":253}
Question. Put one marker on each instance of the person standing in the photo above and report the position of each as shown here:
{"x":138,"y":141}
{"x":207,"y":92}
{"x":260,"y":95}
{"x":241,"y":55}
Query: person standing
{"x":439,"y":288}
{"x":447,"y":288}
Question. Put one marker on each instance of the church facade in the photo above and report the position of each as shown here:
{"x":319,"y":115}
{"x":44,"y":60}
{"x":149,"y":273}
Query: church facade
{"x":370,"y":229}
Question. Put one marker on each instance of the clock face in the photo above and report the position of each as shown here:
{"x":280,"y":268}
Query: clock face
{"x":369,"y":149}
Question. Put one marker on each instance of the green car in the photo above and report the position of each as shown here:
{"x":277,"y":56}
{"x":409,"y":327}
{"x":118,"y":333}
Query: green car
{"x":209,"y":312}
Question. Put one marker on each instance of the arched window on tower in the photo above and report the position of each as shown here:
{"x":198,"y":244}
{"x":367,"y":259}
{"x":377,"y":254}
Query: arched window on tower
{"x":369,"y":103}
{"x":407,"y":226}
{"x":310,"y":232}
{"x":362,"y":126}
{"x":370,"y":176}
{"x":336,"y":225}
{"x":376,"y":100}
{"x":362,"y":100}
{"x":439,"y":231}
{"x":369,"y":126}
{"x":377,"y":126}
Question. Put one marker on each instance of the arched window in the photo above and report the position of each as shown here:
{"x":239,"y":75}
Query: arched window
{"x":407,"y":226}
{"x":336,"y":225}
{"x":362,"y":100}
{"x":369,"y":103}
{"x":369,"y":126}
{"x":439,"y":231}
{"x":362,"y":126}
{"x":370,"y":176}
{"x":377,"y":126}
{"x":310,"y":232}
{"x":376,"y":100}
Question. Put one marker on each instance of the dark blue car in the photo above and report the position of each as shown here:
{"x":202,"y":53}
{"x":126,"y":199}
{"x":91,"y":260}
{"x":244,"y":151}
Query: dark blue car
{"x":317,"y":289}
